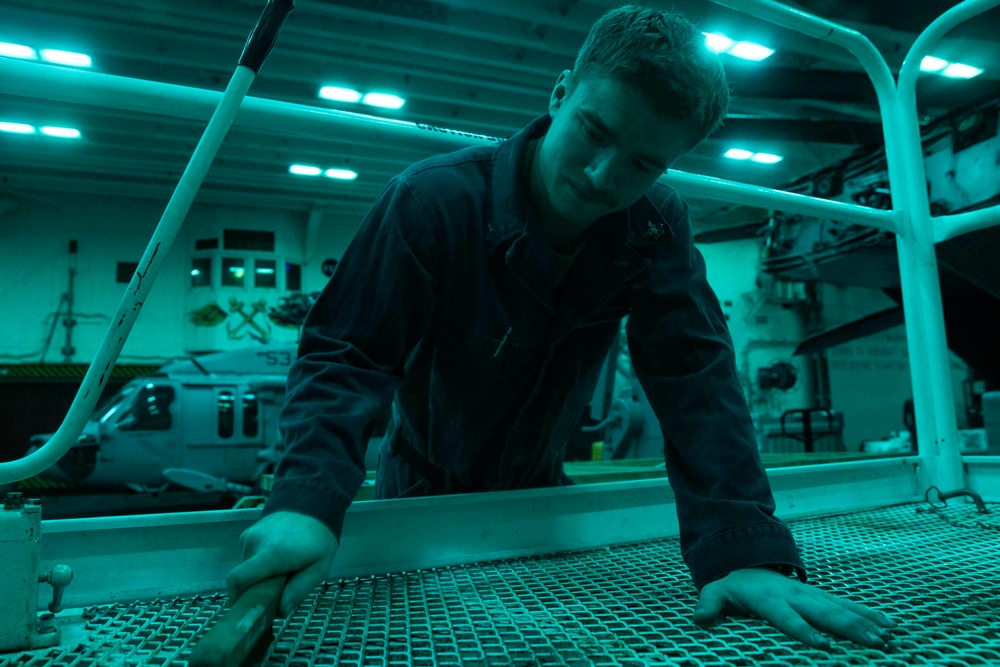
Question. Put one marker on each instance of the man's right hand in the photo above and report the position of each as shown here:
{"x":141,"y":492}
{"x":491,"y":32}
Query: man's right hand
{"x":284,"y":543}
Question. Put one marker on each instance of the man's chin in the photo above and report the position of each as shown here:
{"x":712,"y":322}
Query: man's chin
{"x":578,"y":216}
{"x":584,"y":214}
{"x":578,"y":212}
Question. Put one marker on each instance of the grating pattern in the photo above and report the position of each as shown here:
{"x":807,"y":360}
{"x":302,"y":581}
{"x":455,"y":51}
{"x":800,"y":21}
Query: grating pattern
{"x":630,"y":606}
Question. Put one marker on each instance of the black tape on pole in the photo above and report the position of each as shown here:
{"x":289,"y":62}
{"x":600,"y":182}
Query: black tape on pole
{"x":262,"y":38}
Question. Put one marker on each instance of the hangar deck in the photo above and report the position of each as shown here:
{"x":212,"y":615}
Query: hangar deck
{"x":932,"y":569}
{"x":148,"y":588}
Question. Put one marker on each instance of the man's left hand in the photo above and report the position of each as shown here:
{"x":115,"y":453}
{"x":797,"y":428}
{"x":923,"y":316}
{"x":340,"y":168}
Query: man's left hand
{"x":800,"y":611}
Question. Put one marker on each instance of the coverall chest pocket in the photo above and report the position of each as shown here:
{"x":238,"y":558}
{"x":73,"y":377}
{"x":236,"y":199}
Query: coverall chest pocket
{"x":499,"y":359}
{"x":480,"y":369}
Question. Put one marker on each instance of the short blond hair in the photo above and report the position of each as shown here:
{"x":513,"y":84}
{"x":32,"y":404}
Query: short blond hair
{"x":664,"y":54}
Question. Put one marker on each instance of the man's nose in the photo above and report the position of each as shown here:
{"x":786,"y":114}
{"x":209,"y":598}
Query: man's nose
{"x":602,"y":170}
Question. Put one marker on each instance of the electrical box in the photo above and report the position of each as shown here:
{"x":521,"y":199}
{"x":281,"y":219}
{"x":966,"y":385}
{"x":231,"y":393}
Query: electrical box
{"x":20,"y":531}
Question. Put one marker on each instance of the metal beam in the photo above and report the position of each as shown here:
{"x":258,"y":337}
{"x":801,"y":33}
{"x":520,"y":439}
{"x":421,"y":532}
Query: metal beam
{"x":166,"y":555}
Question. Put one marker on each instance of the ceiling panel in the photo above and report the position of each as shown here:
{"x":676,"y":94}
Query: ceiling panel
{"x":479,"y":67}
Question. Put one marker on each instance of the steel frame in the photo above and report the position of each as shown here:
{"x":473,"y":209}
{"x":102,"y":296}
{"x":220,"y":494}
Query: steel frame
{"x":162,"y":556}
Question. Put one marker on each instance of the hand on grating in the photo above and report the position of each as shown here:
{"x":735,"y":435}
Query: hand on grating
{"x":284,"y":543}
{"x":799,"y":610}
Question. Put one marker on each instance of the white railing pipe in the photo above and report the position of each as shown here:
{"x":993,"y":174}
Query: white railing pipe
{"x":135,"y":295}
{"x":949,"y":226}
{"x":919,"y":267}
{"x":275,"y":117}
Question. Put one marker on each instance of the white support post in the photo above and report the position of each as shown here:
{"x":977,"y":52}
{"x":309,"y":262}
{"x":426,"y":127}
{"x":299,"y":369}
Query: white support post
{"x":930,"y":373}
{"x":934,"y":402}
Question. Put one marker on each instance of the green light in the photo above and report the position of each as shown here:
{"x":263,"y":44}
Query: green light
{"x":750,"y":51}
{"x":383,"y":100}
{"x":960,"y":71}
{"x":342,"y":174}
{"x":932,"y":64}
{"x":61,"y":132}
{"x":17,"y":51}
{"x":16,"y":128}
{"x":340,"y":94}
{"x":66,"y":58}
{"x":718,"y":42}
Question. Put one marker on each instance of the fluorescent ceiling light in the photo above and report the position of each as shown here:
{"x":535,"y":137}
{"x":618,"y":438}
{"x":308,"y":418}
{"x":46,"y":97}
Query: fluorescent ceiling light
{"x":750,"y":51}
{"x":66,"y":58}
{"x":339,"y":94}
{"x":718,"y":42}
{"x":738,"y":154}
{"x":264,"y":270}
{"x":951,"y":70}
{"x":960,"y":71}
{"x":743,"y":154}
{"x":62,"y":132}
{"x":306,"y":170}
{"x":932,"y":64}
{"x":17,"y":51}
{"x":383,"y":100}
{"x":342,"y":174}
{"x":16,"y":128}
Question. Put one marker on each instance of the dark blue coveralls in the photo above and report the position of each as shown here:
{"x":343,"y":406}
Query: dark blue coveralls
{"x":447,"y":305}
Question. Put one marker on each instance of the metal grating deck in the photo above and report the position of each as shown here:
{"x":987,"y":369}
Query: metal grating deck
{"x":935,"y":572}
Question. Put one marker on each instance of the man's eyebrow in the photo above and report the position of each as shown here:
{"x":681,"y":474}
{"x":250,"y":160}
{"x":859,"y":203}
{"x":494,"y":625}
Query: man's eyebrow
{"x":595,"y":120}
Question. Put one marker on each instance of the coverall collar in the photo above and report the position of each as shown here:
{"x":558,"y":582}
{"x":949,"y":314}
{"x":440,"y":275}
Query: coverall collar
{"x":625,"y":238}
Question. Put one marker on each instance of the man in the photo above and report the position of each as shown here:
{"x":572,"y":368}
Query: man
{"x":480,"y":297}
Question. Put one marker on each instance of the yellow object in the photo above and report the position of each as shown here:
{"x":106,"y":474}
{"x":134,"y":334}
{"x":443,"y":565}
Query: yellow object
{"x":266,"y":483}
{"x":597,"y":451}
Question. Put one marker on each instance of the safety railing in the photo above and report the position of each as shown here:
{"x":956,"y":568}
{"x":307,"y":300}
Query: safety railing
{"x":909,"y":218}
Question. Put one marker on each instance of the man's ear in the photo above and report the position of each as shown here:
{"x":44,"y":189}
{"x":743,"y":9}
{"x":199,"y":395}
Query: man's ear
{"x":559,"y":92}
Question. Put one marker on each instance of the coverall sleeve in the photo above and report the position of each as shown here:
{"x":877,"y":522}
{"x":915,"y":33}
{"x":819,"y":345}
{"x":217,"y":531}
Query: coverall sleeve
{"x":355,"y":342}
{"x":683,"y":356}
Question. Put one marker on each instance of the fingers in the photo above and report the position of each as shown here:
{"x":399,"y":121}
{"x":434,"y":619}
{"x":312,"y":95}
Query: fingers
{"x":788,"y":620}
{"x":843,"y":618}
{"x":878,"y":618}
{"x":258,"y":564}
{"x":800,"y":611}
{"x":284,"y":543}
{"x":301,"y":585}
{"x":710,"y":605}
{"x":249,"y":572}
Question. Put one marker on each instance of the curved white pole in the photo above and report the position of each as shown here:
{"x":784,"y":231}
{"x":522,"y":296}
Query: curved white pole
{"x":131,"y":303}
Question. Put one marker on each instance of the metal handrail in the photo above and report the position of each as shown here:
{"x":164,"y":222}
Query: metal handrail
{"x":922,"y":299}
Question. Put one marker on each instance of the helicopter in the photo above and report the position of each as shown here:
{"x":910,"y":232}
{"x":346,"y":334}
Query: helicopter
{"x":208,"y":423}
